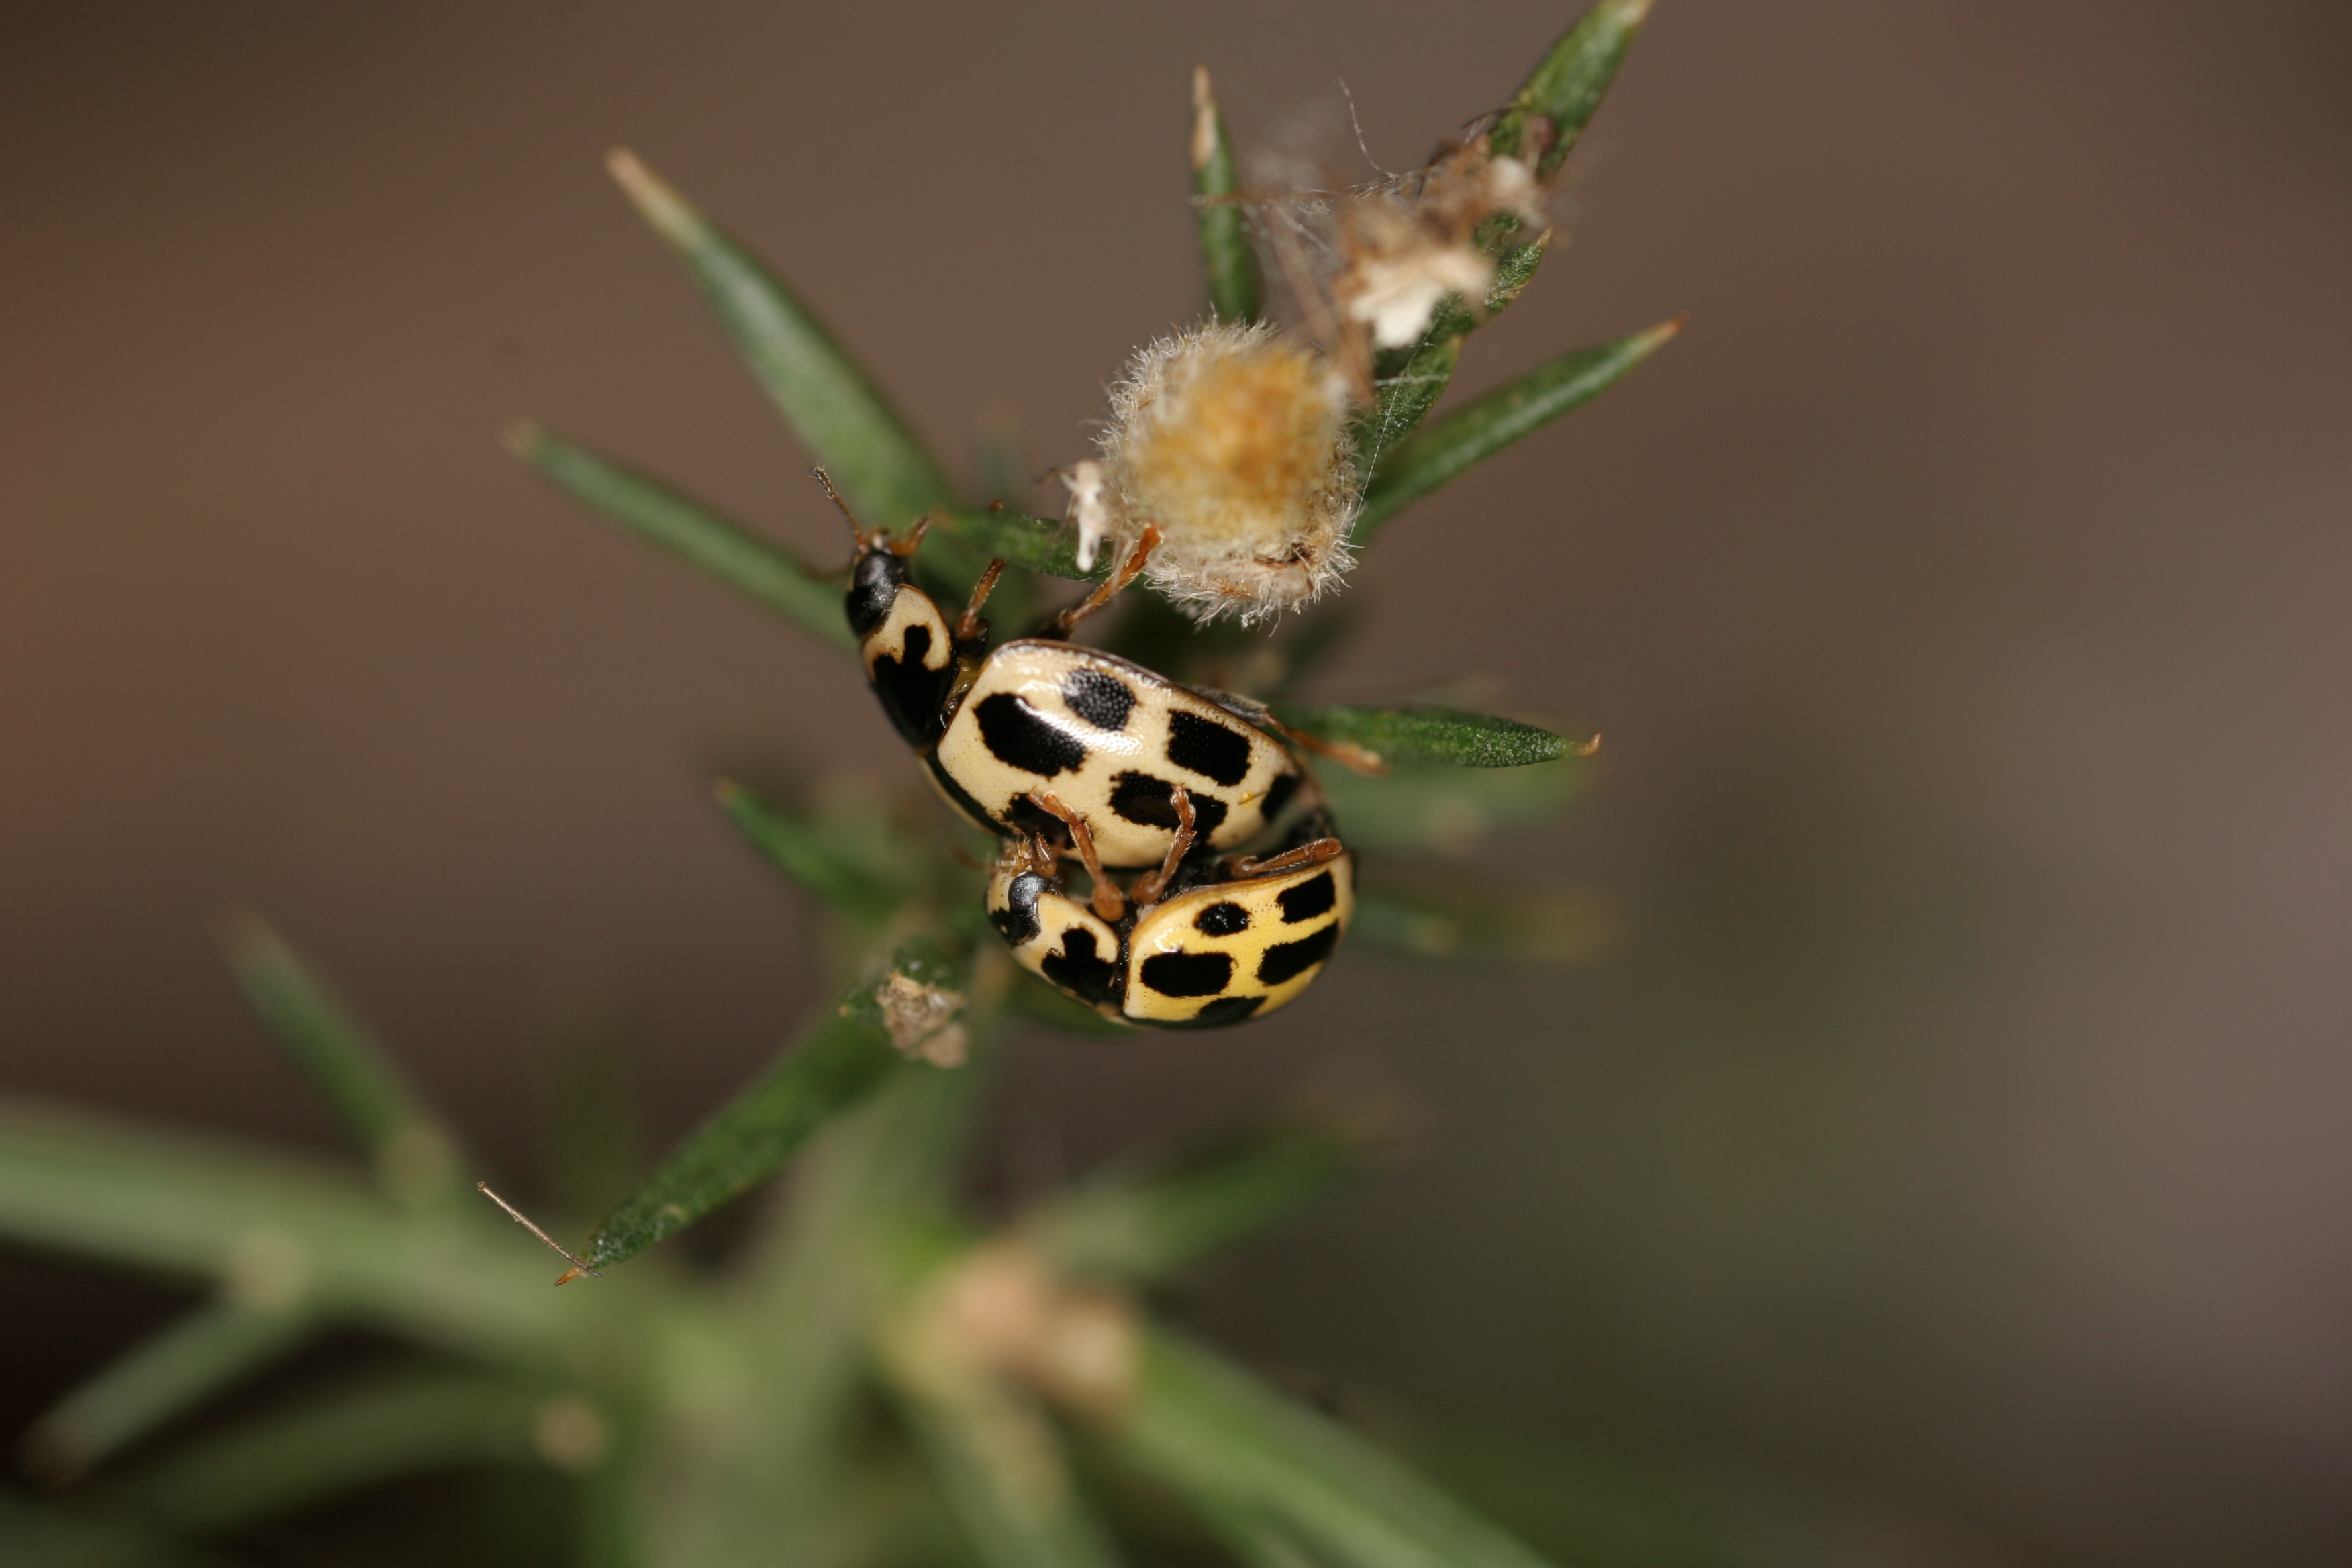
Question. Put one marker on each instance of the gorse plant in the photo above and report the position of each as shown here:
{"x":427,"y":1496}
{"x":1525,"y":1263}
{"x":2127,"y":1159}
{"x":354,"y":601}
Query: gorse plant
{"x":879,"y":1376}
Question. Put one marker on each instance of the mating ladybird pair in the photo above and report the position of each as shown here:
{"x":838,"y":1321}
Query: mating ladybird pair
{"x":1072,"y":754}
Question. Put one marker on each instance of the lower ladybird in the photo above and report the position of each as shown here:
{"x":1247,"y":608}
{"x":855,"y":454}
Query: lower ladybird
{"x":1193,"y":945}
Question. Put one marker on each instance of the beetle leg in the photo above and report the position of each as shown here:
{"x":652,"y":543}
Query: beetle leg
{"x":1061,"y":625}
{"x":1149,"y":887}
{"x":1109,"y":904}
{"x":1313,"y":854}
{"x":969,"y":626}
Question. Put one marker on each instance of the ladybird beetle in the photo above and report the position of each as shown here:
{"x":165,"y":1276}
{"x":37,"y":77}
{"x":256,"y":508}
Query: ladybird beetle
{"x":1034,"y":734}
{"x":1189,"y":946}
{"x":1070,"y":753}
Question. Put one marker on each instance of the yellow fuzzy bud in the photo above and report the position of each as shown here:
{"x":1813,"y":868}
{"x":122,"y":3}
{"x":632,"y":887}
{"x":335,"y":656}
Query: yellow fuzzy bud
{"x":1233,"y":441}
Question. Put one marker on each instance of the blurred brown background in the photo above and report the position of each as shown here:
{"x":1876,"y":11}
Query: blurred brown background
{"x":1954,"y":1165}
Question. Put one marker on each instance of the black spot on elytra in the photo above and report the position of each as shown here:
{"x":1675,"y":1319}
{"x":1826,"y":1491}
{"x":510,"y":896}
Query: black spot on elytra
{"x":1102,"y":701}
{"x":1214,"y":1015}
{"x":1077,"y":970}
{"x":1292,"y":959}
{"x":1149,"y":802}
{"x":1020,"y":738}
{"x":1278,"y":793}
{"x":1017,"y":922}
{"x":1208,"y":747}
{"x":915,"y":697}
{"x":1223,"y":920}
{"x":1187,"y":974}
{"x":1307,"y":899}
{"x":873,"y":589}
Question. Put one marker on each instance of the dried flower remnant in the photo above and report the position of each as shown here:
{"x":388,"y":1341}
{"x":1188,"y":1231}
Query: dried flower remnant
{"x":1233,"y":441}
{"x":921,"y":1020}
{"x":1406,"y":243}
{"x":1233,"y":438}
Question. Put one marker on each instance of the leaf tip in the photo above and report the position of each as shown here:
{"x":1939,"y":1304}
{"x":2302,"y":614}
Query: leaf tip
{"x":671,"y":216}
{"x":247,"y":941}
{"x":1204,"y":120}
{"x":522,"y":438}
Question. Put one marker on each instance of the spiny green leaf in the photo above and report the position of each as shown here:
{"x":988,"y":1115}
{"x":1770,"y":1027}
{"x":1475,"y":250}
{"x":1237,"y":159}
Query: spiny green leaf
{"x":1471,"y":434}
{"x":812,"y":854}
{"x":1258,"y":1541}
{"x":1429,"y":734}
{"x":414,"y":1153}
{"x":1409,"y":382}
{"x":1434,"y":806}
{"x":272,"y":1229}
{"x":692,"y":531}
{"x":1560,"y":96}
{"x":1404,"y":400}
{"x":71,"y":1535}
{"x":846,"y":424}
{"x":837,"y":1061}
{"x":998,"y":1458}
{"x":1033,"y":543}
{"x":159,"y":1379}
{"x":272,"y":1465}
{"x":1451,"y":918}
{"x":1137,"y":1225}
{"x":829,"y":1068}
{"x":1205,"y":1428}
{"x":810,"y":1283}
{"x":1233,"y":285}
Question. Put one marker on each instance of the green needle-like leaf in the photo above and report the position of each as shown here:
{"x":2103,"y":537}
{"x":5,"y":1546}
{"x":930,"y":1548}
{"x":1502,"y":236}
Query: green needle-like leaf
{"x":1404,"y":400}
{"x":829,"y":1067}
{"x":1206,"y":1429}
{"x":1033,"y":543}
{"x":61,"y":1535}
{"x":1560,"y":96}
{"x":160,"y":1380}
{"x":1429,"y":734}
{"x":1471,"y":434}
{"x":1436,"y":806}
{"x":1128,"y":1226}
{"x":811,"y":855}
{"x":273,"y":1229}
{"x":835,"y":1063}
{"x":998,"y":1458}
{"x":272,"y":1465}
{"x":1233,"y":284}
{"x":846,"y":424}
{"x":692,"y":531}
{"x":416,"y":1155}
{"x":1409,"y":382}
{"x":1257,"y":1540}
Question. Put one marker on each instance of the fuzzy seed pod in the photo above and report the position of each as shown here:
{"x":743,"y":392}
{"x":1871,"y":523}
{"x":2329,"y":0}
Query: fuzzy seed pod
{"x":1233,"y":441}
